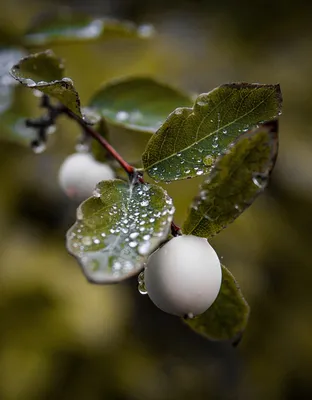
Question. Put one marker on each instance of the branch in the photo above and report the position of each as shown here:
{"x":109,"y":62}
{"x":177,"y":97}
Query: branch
{"x":54,"y":111}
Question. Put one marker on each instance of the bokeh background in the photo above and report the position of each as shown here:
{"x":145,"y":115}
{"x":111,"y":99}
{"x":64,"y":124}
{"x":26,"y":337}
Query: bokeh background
{"x":63,"y":338}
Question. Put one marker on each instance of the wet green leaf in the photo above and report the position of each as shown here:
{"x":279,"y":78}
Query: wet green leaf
{"x":139,"y":104}
{"x":227,"y":318}
{"x":118,"y":228}
{"x":237,"y":178}
{"x":68,"y":27}
{"x":8,"y":57}
{"x":44,"y":72}
{"x":189,"y":141}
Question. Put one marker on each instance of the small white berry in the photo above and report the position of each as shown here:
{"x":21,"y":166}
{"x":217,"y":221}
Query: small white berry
{"x":184,"y":276}
{"x":80,"y":173}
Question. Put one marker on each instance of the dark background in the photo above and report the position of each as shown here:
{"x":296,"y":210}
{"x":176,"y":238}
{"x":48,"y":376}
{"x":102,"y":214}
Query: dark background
{"x":62,"y":338}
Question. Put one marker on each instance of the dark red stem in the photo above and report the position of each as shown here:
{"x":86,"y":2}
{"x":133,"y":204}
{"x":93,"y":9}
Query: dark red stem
{"x":131,"y":171}
{"x":88,"y":129}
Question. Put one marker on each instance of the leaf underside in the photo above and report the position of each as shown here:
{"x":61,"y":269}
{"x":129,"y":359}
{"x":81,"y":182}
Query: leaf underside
{"x":139,"y":103}
{"x":237,"y":178}
{"x":227,"y":318}
{"x":44,"y":72}
{"x":117,"y":229}
{"x":191,"y":139}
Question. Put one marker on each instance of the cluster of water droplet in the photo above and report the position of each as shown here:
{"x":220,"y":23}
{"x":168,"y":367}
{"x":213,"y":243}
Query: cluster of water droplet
{"x":199,"y":156}
{"x":122,"y":236}
{"x":141,"y":283}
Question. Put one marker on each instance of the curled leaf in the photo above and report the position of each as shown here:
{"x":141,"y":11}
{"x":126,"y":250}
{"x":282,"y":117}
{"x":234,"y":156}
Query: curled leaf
{"x":44,"y":72}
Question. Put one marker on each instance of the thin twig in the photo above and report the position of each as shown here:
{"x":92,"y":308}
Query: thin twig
{"x":92,"y":132}
{"x":55,"y":111}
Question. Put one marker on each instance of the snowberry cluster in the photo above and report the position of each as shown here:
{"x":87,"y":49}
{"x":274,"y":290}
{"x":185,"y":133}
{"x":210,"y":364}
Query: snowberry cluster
{"x":184,"y":276}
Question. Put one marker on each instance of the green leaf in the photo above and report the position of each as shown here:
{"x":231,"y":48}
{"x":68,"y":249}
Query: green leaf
{"x":118,"y":228}
{"x":8,"y":57}
{"x":227,"y":318}
{"x":67,"y":27}
{"x":139,"y":104}
{"x":189,"y":141}
{"x":237,"y":178}
{"x":44,"y":72}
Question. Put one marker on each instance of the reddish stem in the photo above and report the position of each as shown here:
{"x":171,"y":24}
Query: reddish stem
{"x":87,"y":128}
{"x":175,"y":230}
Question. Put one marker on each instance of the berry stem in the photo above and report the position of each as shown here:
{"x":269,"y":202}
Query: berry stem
{"x":55,"y":111}
{"x":131,"y":171}
{"x":93,"y":133}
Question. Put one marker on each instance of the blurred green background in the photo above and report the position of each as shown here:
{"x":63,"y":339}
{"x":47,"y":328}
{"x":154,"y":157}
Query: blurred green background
{"x":63,"y":338}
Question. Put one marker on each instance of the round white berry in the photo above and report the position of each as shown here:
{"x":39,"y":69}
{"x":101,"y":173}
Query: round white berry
{"x":184,"y":276}
{"x":79,"y":174}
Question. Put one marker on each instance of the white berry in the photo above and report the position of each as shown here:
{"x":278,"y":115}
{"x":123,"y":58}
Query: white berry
{"x":79,"y":174}
{"x":184,"y":276}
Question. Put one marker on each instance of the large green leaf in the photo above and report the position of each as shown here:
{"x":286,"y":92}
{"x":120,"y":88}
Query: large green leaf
{"x":44,"y":71}
{"x":189,"y":141}
{"x":118,"y":228}
{"x":140,"y":104}
{"x":227,"y":318}
{"x":68,"y":27}
{"x":239,"y":175}
{"x":8,"y":57}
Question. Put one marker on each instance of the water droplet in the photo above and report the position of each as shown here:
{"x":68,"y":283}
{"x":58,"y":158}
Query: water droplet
{"x":133,"y":244}
{"x":38,"y":147}
{"x":82,"y":148}
{"x":200,"y":172}
{"x":134,"y":235}
{"x":259,"y":181}
{"x":238,"y":208}
{"x":86,"y":241}
{"x":51,"y":129}
{"x":30,"y":82}
{"x":68,"y":80}
{"x":79,"y":214}
{"x":122,"y":116}
{"x":146,"y":30}
{"x":208,"y":160}
{"x":96,"y":241}
{"x":37,"y":93}
{"x":96,"y":192}
{"x":117,"y":266}
{"x":144,"y":203}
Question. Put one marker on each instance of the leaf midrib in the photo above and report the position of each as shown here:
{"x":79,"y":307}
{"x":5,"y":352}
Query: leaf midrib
{"x":212,"y":133}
